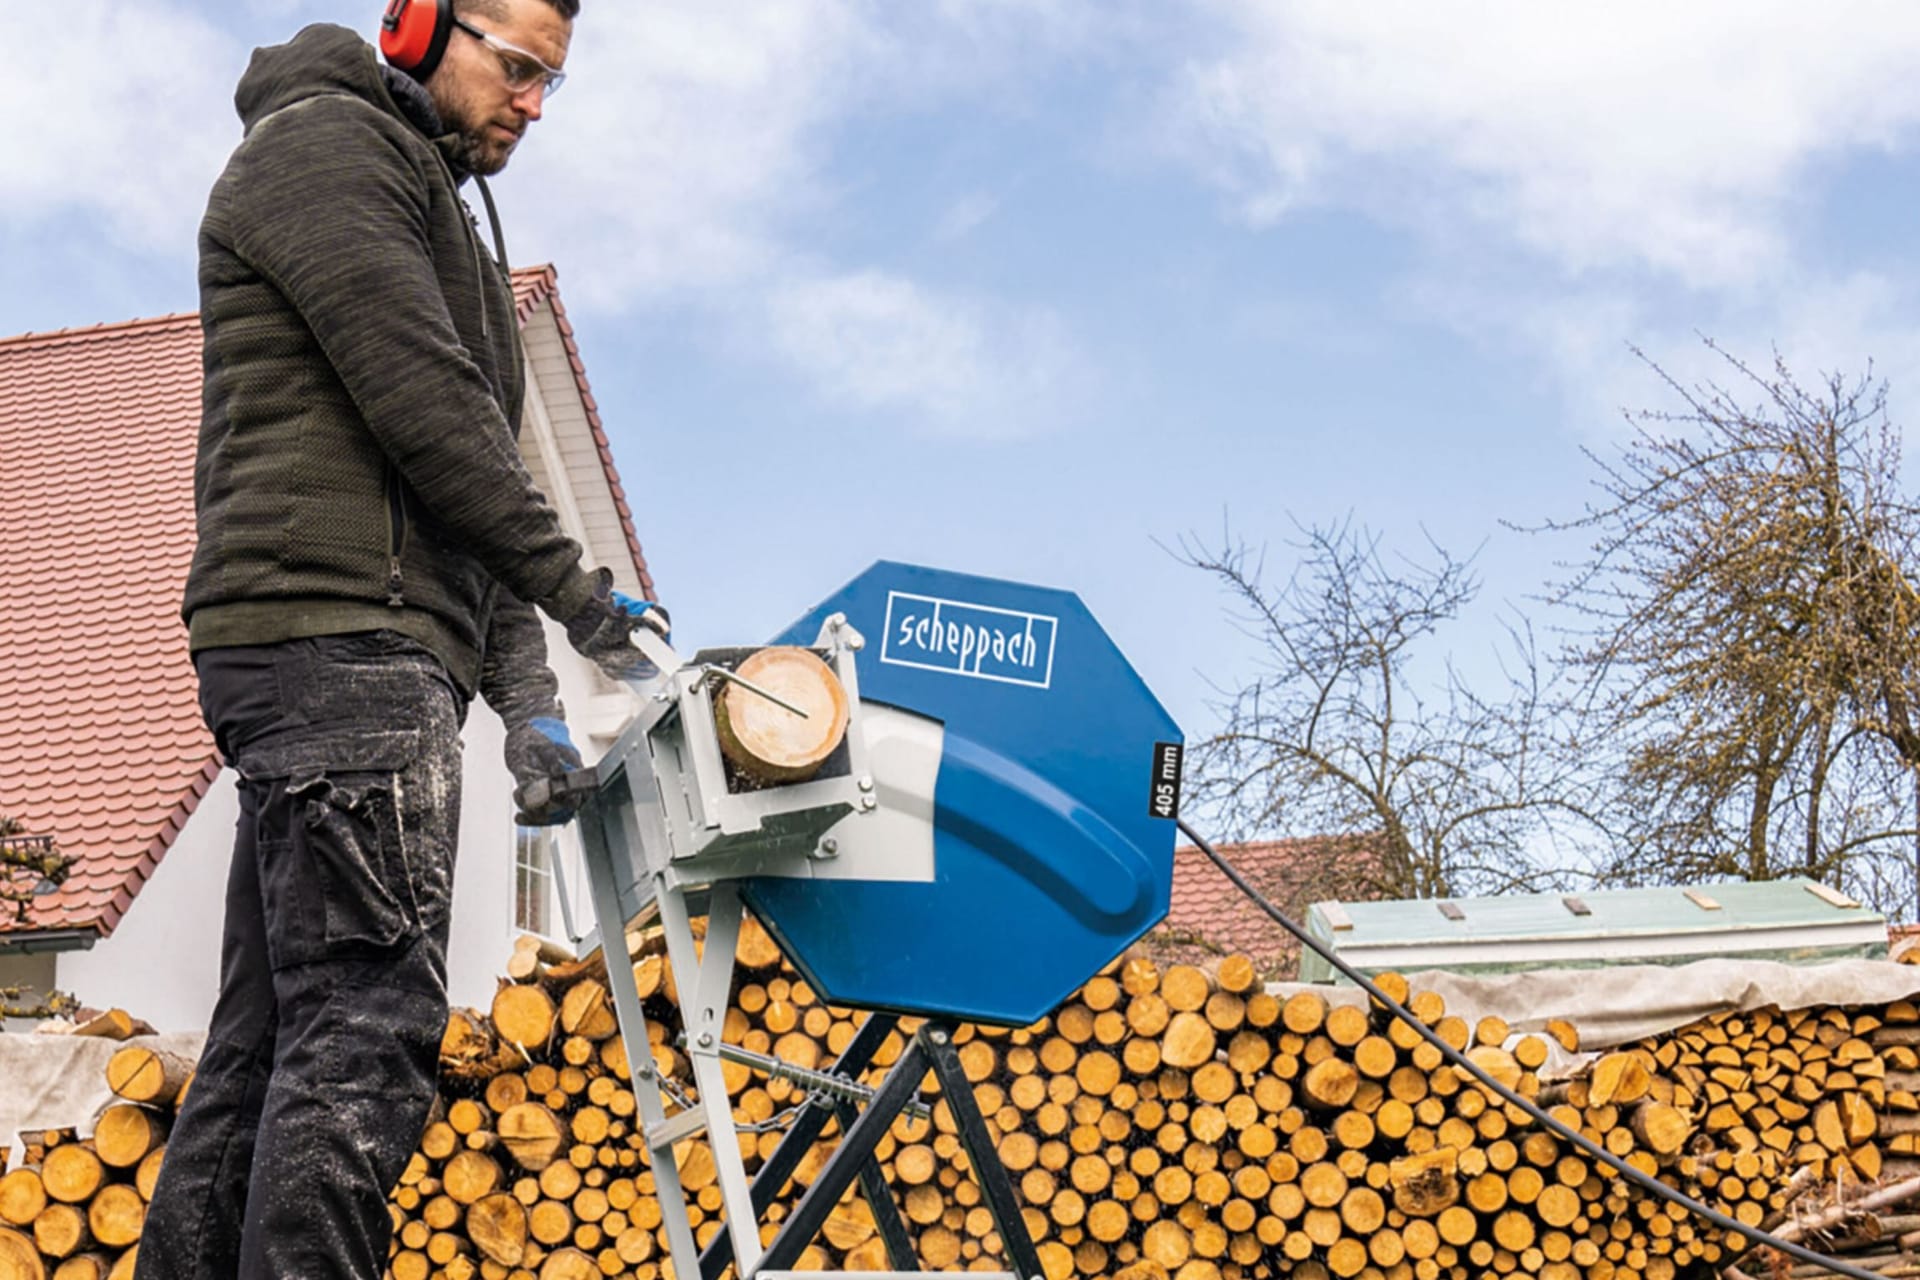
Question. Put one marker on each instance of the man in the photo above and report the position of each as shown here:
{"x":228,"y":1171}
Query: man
{"x":370,"y":554}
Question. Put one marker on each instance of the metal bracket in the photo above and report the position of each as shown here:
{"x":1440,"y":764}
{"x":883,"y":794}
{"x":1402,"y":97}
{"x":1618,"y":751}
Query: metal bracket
{"x":931,"y":1047}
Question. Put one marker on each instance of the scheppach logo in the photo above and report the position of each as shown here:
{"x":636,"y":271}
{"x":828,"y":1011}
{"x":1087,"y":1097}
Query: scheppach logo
{"x":965,"y":639}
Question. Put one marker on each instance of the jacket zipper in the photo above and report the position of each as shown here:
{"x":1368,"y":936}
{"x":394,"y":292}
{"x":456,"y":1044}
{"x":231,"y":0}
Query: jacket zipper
{"x":396,"y":539}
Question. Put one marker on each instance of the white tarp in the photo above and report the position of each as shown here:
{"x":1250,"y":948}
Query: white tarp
{"x":60,"y":1082}
{"x":1616,"y":1005}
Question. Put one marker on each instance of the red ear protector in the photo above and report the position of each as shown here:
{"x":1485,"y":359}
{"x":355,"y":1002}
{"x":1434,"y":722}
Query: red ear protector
{"x":414,"y":34}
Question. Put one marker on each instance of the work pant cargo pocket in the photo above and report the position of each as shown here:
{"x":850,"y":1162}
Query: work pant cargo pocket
{"x":352,"y":832}
{"x":336,"y":873}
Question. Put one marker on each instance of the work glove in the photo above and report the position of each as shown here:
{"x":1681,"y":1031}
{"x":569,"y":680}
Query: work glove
{"x":539,"y":749}
{"x":603,"y":631}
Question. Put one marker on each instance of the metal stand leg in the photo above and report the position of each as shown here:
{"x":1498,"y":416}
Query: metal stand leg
{"x":804,"y":1223}
{"x":595,"y":814}
{"x":932,"y":1047}
{"x":703,"y":1007}
{"x":901,"y":1255}
{"x":995,"y":1185}
{"x":801,"y":1135}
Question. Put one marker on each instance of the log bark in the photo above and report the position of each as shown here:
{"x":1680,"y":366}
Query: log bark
{"x":141,"y":1074}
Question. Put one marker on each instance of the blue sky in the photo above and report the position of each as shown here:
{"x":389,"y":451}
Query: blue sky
{"x":1028,"y":287}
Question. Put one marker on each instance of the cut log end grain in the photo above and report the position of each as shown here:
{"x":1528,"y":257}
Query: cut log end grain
{"x":764,"y":740}
{"x":497,"y":1225}
{"x":1189,"y":1041}
{"x":1618,"y":1078}
{"x":19,"y":1258}
{"x":523,"y":1016}
{"x":755,"y":948}
{"x":61,"y":1231}
{"x":532,"y":1134}
{"x":1236,"y":974}
{"x":1662,"y":1128}
{"x":116,"y":1216}
{"x":22,"y":1197}
{"x":72,"y":1173}
{"x":1425,"y":1184}
{"x":1331,"y":1083}
{"x":126,"y":1133}
{"x":586,"y":1010}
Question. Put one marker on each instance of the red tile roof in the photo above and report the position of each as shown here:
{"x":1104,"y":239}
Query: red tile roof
{"x":1210,"y":917}
{"x":101,"y":743}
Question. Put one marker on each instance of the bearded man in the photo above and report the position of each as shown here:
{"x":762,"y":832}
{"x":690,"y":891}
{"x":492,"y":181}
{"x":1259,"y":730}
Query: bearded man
{"x":371,"y":554}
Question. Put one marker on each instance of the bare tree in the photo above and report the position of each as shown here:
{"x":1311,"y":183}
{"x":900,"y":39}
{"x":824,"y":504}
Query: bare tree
{"x":1336,"y":735}
{"x":1748,"y":643}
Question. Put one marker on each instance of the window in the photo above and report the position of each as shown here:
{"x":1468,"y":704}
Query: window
{"x":534,"y":897}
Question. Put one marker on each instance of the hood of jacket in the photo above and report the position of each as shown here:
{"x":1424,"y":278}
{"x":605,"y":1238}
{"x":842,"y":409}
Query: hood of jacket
{"x":323,"y":59}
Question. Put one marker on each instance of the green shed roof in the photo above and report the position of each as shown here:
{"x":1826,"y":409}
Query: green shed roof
{"x":1792,"y":920}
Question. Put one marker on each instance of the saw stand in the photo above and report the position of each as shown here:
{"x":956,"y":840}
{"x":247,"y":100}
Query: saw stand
{"x":665,"y":839}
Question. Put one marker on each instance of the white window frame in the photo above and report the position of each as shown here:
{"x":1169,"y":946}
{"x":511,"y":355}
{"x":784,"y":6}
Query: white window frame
{"x":561,"y":842}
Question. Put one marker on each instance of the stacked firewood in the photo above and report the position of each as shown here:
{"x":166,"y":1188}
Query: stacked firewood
{"x":1161,"y":1125}
{"x":73,"y":1210}
{"x":1165,"y":1124}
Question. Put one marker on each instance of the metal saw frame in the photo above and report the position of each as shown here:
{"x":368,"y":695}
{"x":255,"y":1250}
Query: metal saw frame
{"x":665,"y":837}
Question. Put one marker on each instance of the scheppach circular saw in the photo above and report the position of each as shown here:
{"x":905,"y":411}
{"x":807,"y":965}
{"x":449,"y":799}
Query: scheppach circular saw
{"x":948,"y":797}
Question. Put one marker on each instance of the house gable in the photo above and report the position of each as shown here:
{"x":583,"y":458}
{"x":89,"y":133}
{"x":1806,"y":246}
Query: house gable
{"x":101,"y":741}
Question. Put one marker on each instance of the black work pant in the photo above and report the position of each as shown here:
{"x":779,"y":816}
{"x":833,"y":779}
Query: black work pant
{"x":322,"y":1057}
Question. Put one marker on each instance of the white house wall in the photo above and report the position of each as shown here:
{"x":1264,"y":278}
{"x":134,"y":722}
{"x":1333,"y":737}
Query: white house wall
{"x":162,"y":962}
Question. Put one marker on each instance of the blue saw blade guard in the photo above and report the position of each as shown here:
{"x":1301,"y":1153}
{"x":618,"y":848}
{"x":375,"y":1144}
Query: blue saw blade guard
{"x":1053,"y":805}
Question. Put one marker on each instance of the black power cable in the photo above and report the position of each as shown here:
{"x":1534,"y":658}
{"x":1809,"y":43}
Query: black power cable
{"x":1540,"y":1117}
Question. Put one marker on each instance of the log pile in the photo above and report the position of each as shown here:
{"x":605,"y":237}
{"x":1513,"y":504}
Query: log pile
{"x":74,"y":1208}
{"x":1167,"y":1124}
{"x":1179,"y":1124}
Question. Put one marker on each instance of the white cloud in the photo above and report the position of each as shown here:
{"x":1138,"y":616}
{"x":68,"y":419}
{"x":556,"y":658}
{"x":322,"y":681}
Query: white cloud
{"x":1639,"y":134}
{"x":880,"y":343}
{"x":124,"y":114}
{"x":689,"y":135}
{"x":696,"y":148}
{"x":965,"y":216}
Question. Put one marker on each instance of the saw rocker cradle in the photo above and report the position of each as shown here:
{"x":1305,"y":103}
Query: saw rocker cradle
{"x":993,"y":827}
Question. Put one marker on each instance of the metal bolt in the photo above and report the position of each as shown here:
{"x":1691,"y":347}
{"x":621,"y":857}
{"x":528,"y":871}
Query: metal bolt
{"x":644,"y":1073}
{"x":706,"y":1040}
{"x":866,"y":784}
{"x":868,"y":804}
{"x":826,"y":848}
{"x":939,"y":1037}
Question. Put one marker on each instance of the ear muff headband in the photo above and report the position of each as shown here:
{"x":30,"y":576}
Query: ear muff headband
{"x":414,"y":34}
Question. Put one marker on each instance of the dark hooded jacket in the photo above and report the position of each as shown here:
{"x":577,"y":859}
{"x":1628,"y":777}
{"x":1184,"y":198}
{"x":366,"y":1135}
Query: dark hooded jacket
{"x":357,"y":464}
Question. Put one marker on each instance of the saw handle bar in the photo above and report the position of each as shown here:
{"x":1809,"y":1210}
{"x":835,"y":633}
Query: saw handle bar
{"x":561,"y":792}
{"x":1540,"y":1117}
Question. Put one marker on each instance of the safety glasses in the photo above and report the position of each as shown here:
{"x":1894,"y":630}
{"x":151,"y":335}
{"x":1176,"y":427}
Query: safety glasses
{"x":522,"y":69}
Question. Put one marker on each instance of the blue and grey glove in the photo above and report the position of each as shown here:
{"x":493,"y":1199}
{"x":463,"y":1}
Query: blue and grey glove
{"x":539,"y":750}
{"x":651,"y":613}
{"x":603,"y":632}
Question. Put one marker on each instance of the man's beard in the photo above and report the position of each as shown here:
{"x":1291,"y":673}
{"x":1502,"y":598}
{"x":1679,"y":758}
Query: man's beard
{"x":477,"y":153}
{"x":473,"y":148}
